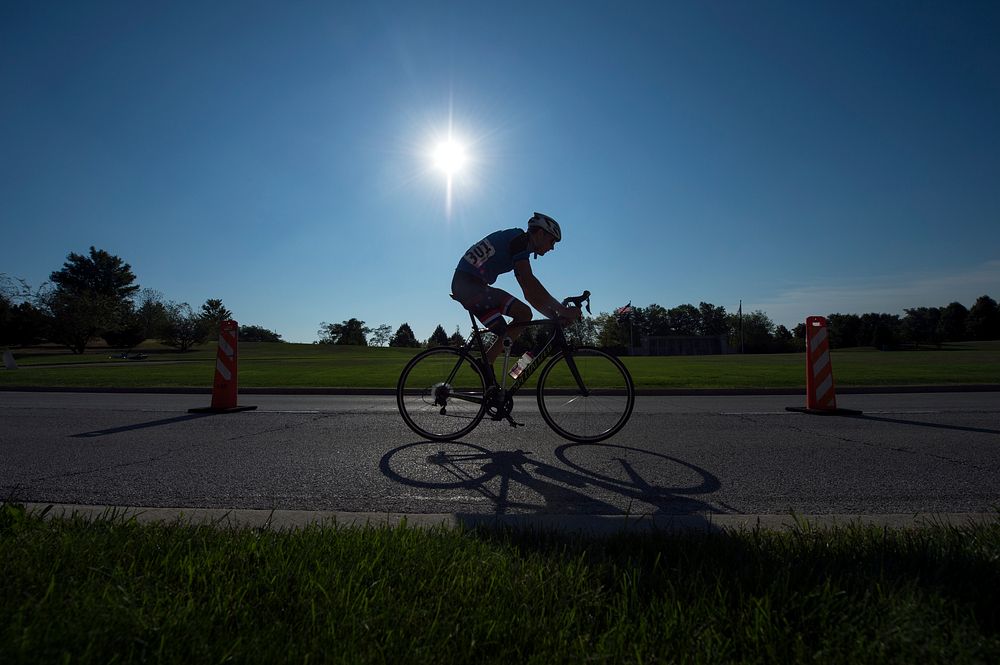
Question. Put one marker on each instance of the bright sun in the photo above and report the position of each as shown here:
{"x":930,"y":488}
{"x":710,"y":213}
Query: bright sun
{"x":449,"y":156}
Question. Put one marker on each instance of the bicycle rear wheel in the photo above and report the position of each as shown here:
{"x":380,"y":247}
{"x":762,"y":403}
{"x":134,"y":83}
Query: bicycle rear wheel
{"x":440,"y":394}
{"x":585,"y":395}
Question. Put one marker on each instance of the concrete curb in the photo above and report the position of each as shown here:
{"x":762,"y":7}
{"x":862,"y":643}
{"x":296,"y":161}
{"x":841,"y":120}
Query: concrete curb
{"x":594,"y":525}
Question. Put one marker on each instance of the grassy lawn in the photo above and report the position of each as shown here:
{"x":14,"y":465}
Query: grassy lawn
{"x":117,"y":591}
{"x":309,"y":365}
{"x":322,"y":366}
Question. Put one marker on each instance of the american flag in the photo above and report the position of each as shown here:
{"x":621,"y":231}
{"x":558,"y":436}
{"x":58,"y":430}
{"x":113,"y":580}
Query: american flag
{"x":622,"y":311}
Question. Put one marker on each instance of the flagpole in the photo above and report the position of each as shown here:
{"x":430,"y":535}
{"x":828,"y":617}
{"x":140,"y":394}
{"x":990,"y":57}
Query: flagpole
{"x":626,"y":310}
{"x":741,"y":326}
{"x":631,"y":334}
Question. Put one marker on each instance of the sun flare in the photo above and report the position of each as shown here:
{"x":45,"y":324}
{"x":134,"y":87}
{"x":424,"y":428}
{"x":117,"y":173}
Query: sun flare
{"x":449,"y":156}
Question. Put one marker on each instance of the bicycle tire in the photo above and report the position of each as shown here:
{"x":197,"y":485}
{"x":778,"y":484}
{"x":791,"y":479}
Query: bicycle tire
{"x":594,"y":414}
{"x":440,"y":394}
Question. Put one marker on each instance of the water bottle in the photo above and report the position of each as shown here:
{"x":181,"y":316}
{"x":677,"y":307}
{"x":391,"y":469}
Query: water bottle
{"x":521,"y":364}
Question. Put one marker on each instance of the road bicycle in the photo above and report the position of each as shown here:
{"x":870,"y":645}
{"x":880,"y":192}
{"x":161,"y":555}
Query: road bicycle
{"x":584,"y":394}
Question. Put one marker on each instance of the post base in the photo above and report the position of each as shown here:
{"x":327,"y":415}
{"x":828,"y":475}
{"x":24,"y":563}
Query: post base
{"x":209,"y":409}
{"x":823,"y":412}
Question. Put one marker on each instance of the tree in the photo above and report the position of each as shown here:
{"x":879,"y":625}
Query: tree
{"x":758,"y":332}
{"x":183,"y":328}
{"x":880,"y":330}
{"x":6,"y":304}
{"x":381,"y":335}
{"x":213,"y":313}
{"x":137,"y":323}
{"x":90,"y":294}
{"x":75,"y":319}
{"x":951,"y":324}
{"x":582,"y":332}
{"x":128,"y":332}
{"x":685,"y":320}
{"x":21,"y":323}
{"x":152,"y":312}
{"x":438,"y":338}
{"x":611,"y":335}
{"x":25,"y":325}
{"x":653,"y":321}
{"x":713,"y":320}
{"x":784,"y":341}
{"x":404,"y":337}
{"x":351,"y":332}
{"x":456,"y":339}
{"x":921,"y":325}
{"x":983,"y":322}
{"x":101,"y":273}
{"x":11,"y":291}
{"x":258,"y":334}
{"x":844,"y":330}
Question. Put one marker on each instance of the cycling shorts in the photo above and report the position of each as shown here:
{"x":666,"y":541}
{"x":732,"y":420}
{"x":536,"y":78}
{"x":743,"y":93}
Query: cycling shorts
{"x":487,"y":303}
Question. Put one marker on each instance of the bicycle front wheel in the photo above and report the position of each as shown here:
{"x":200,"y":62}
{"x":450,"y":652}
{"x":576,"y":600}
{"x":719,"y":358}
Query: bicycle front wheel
{"x":585,"y":395}
{"x":440,"y":394}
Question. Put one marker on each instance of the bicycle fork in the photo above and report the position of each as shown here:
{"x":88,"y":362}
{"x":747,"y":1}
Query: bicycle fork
{"x":575,"y":371}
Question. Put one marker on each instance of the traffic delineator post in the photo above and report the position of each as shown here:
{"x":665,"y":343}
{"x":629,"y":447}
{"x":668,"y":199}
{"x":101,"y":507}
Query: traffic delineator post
{"x":225,"y":385}
{"x":821,"y":392}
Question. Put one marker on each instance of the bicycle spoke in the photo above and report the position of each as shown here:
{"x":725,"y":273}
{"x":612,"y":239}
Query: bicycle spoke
{"x":587,"y":396}
{"x":440,"y":394}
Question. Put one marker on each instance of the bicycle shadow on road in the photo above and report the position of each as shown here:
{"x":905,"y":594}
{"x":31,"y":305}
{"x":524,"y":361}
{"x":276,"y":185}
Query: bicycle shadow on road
{"x":523,"y":489}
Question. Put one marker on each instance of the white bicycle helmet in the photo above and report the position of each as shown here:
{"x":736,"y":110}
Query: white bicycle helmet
{"x":545,"y":223}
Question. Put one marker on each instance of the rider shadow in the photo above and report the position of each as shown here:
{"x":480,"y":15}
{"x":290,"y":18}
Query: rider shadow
{"x":567,"y":493}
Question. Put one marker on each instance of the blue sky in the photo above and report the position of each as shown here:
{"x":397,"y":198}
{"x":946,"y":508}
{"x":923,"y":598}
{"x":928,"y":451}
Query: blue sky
{"x":803,"y":157}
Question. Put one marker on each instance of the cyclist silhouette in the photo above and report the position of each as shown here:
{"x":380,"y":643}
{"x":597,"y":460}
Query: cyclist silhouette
{"x":502,"y":252}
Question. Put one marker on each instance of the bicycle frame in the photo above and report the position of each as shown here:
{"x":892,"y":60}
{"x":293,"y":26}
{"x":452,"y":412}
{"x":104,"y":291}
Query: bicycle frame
{"x":556,"y":341}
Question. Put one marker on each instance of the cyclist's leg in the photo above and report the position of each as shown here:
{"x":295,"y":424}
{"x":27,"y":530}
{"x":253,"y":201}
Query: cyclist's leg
{"x":490,"y":305}
{"x":521,"y":315}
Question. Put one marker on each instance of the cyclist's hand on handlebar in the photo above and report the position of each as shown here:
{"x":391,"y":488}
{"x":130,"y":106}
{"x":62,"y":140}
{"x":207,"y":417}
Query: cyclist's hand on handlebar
{"x":572,"y":308}
{"x":578,"y":302}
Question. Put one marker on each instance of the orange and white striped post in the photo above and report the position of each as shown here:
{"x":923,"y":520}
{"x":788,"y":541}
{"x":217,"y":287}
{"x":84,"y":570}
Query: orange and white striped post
{"x":225,"y":386}
{"x":821,"y":392}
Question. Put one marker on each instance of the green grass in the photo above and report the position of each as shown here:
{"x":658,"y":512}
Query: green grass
{"x":955,"y":364}
{"x":118,"y":591}
{"x":324,"y":366}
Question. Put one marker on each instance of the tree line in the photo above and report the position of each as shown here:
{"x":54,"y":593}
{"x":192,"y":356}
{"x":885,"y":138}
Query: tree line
{"x":753,"y":332}
{"x":756,"y":333}
{"x":356,"y":333}
{"x":95,"y":296}
{"x":920,"y":325}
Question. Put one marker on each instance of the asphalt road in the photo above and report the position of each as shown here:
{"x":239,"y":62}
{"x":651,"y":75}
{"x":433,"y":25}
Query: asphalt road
{"x":679,"y":456}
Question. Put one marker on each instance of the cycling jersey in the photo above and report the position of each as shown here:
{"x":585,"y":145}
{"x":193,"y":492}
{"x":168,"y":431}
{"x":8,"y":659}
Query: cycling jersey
{"x":495,"y":254}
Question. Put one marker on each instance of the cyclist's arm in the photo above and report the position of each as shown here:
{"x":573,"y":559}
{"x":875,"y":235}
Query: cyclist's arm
{"x":538,"y":296}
